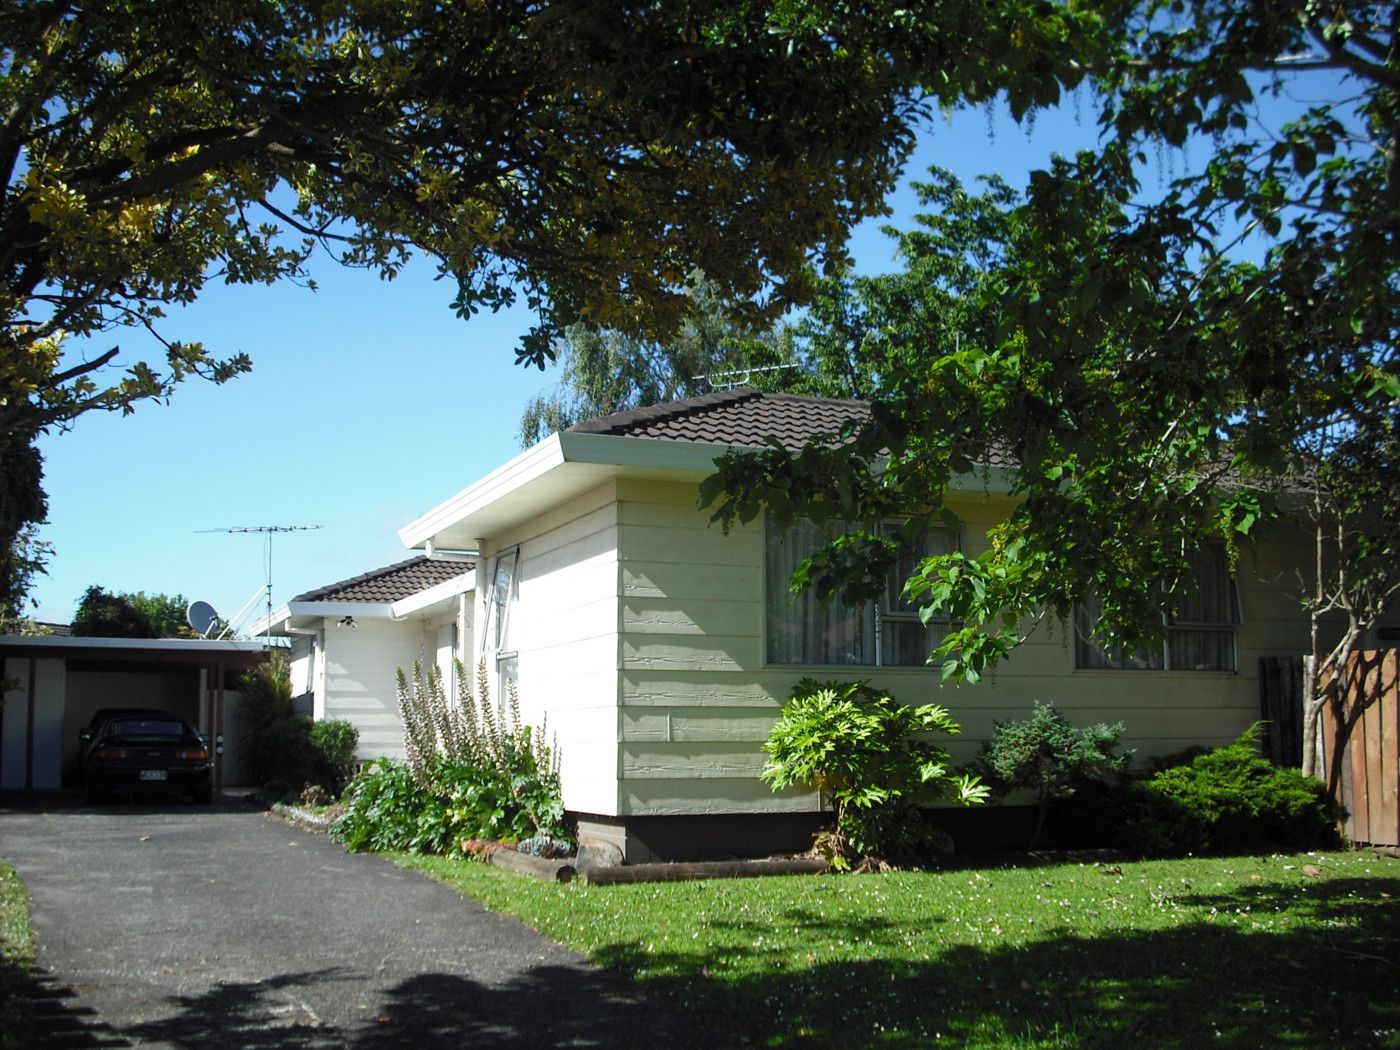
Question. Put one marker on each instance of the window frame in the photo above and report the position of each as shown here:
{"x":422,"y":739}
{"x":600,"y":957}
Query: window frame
{"x":876,"y":614}
{"x":499,"y":617}
{"x":1172,"y":628}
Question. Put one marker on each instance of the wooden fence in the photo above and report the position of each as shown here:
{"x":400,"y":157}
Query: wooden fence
{"x":1368,"y":774}
{"x":1281,"y":709}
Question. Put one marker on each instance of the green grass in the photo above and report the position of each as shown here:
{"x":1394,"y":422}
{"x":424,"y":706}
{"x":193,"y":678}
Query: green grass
{"x":1238,"y":952}
{"x":16,"y":961}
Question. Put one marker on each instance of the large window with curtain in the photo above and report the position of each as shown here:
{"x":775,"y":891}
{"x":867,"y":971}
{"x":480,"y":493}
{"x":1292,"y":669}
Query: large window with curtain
{"x":801,"y":630}
{"x":1199,"y":634}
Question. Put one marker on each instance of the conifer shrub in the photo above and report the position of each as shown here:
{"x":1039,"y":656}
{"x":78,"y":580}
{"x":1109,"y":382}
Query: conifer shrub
{"x":1048,"y":755}
{"x":1228,"y":800}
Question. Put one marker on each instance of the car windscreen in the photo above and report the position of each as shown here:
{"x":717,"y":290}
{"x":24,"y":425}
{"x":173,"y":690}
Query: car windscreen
{"x":145,"y":727}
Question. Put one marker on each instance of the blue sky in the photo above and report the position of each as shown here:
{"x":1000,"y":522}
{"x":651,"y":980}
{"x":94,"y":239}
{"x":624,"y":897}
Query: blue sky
{"x":369,"y":402}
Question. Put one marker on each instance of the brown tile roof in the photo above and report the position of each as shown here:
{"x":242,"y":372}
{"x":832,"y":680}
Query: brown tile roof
{"x":745,"y":417}
{"x":391,"y":583}
{"x":733,"y":417}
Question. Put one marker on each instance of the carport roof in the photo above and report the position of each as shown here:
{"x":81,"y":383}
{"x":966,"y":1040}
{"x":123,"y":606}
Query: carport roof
{"x":162,"y":650}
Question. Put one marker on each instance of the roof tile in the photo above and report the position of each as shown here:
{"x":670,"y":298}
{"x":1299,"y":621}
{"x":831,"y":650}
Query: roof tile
{"x":391,"y":583}
{"x":733,"y":417}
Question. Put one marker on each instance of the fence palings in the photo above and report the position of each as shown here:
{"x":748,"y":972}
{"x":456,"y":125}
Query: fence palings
{"x":1369,"y":777}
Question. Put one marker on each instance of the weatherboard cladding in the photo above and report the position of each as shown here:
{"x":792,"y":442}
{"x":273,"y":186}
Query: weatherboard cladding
{"x":391,"y":583}
{"x":733,"y":417}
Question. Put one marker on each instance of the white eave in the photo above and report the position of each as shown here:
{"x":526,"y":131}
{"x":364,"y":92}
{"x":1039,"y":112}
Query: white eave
{"x":547,"y":474}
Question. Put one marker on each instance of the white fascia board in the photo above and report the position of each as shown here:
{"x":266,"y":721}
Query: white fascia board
{"x":441,"y":592}
{"x":338,"y":610}
{"x":560,"y":467}
{"x":279,"y":621}
{"x":535,"y":462}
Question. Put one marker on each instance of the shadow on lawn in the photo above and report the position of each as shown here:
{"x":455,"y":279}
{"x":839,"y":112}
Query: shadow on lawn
{"x":1211,"y":982}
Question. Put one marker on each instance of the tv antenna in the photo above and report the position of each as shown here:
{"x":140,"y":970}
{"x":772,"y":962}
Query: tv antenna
{"x":268,"y":531}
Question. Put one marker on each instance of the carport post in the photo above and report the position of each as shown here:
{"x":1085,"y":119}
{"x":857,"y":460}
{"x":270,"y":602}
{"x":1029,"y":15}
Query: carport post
{"x":219,"y":729}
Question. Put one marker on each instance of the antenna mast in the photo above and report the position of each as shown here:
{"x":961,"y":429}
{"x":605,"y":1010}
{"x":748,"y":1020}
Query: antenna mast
{"x":268,"y":531}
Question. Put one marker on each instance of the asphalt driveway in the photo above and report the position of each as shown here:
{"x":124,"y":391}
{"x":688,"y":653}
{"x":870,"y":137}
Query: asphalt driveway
{"x":190,"y":926}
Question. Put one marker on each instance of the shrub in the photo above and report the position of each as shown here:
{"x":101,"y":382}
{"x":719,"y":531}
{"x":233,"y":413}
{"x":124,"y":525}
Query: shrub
{"x":281,"y":757}
{"x":334,"y":741}
{"x":386,"y":809}
{"x":1048,"y":755}
{"x":471,"y":773}
{"x":1227,"y":800}
{"x":863,"y":750}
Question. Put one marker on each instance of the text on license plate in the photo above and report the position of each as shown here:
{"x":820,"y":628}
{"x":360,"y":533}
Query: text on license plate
{"x":153,"y":774}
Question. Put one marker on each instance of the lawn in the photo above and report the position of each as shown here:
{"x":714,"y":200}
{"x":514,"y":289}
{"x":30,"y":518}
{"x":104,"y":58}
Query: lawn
{"x":1295,"y":951}
{"x":16,"y":960}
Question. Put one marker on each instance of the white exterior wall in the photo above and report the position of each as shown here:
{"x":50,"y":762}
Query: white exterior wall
{"x":360,"y":679}
{"x":564,"y":626}
{"x":49,"y":686}
{"x":697,"y":699}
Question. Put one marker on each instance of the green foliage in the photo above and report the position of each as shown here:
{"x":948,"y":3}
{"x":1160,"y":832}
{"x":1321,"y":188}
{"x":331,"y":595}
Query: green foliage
{"x":281,"y":758}
{"x":165,"y":611}
{"x":386,"y":809}
{"x":730,"y":139}
{"x":1231,"y":800}
{"x":285,"y":753}
{"x":334,"y":740}
{"x":1048,"y":755}
{"x":865,"y":751}
{"x":103,"y":615}
{"x":265,"y":693}
{"x":277,"y":750}
{"x":1154,"y":369}
{"x":472,"y":772}
{"x":23,"y":509}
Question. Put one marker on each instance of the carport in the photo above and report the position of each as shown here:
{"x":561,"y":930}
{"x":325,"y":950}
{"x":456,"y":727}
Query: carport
{"x":54,"y":684}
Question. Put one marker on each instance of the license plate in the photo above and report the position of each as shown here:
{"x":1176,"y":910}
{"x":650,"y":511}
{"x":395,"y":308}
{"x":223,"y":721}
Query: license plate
{"x":153,"y":774}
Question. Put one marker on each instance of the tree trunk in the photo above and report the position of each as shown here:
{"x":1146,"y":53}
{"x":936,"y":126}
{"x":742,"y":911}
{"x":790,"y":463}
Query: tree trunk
{"x":1312,"y":711}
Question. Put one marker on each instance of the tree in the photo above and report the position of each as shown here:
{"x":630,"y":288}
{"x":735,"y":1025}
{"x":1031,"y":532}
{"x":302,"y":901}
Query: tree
{"x":131,"y":615}
{"x":22,"y":508}
{"x":103,"y":615}
{"x":165,"y":611}
{"x":584,"y":157}
{"x":606,"y":370}
{"x":1160,"y":371}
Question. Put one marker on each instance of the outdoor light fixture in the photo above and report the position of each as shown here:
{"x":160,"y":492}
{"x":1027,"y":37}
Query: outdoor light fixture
{"x":347,"y":621}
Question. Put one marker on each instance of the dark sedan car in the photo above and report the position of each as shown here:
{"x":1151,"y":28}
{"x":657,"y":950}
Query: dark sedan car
{"x":150,"y":752}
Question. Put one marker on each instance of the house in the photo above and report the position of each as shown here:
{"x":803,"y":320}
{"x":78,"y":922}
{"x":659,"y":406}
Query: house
{"x":349,"y":639}
{"x":660,"y":649}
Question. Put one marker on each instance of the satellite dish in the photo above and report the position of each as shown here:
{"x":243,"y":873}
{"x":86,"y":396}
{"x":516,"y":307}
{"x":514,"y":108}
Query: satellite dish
{"x":201,"y":616}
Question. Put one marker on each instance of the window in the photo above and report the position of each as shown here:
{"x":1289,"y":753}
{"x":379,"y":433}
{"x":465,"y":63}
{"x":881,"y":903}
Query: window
{"x":801,"y":630}
{"x":505,"y":591}
{"x":1200,"y":633}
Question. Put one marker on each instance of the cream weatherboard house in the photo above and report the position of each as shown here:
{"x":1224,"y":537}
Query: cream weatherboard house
{"x":659,"y":649}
